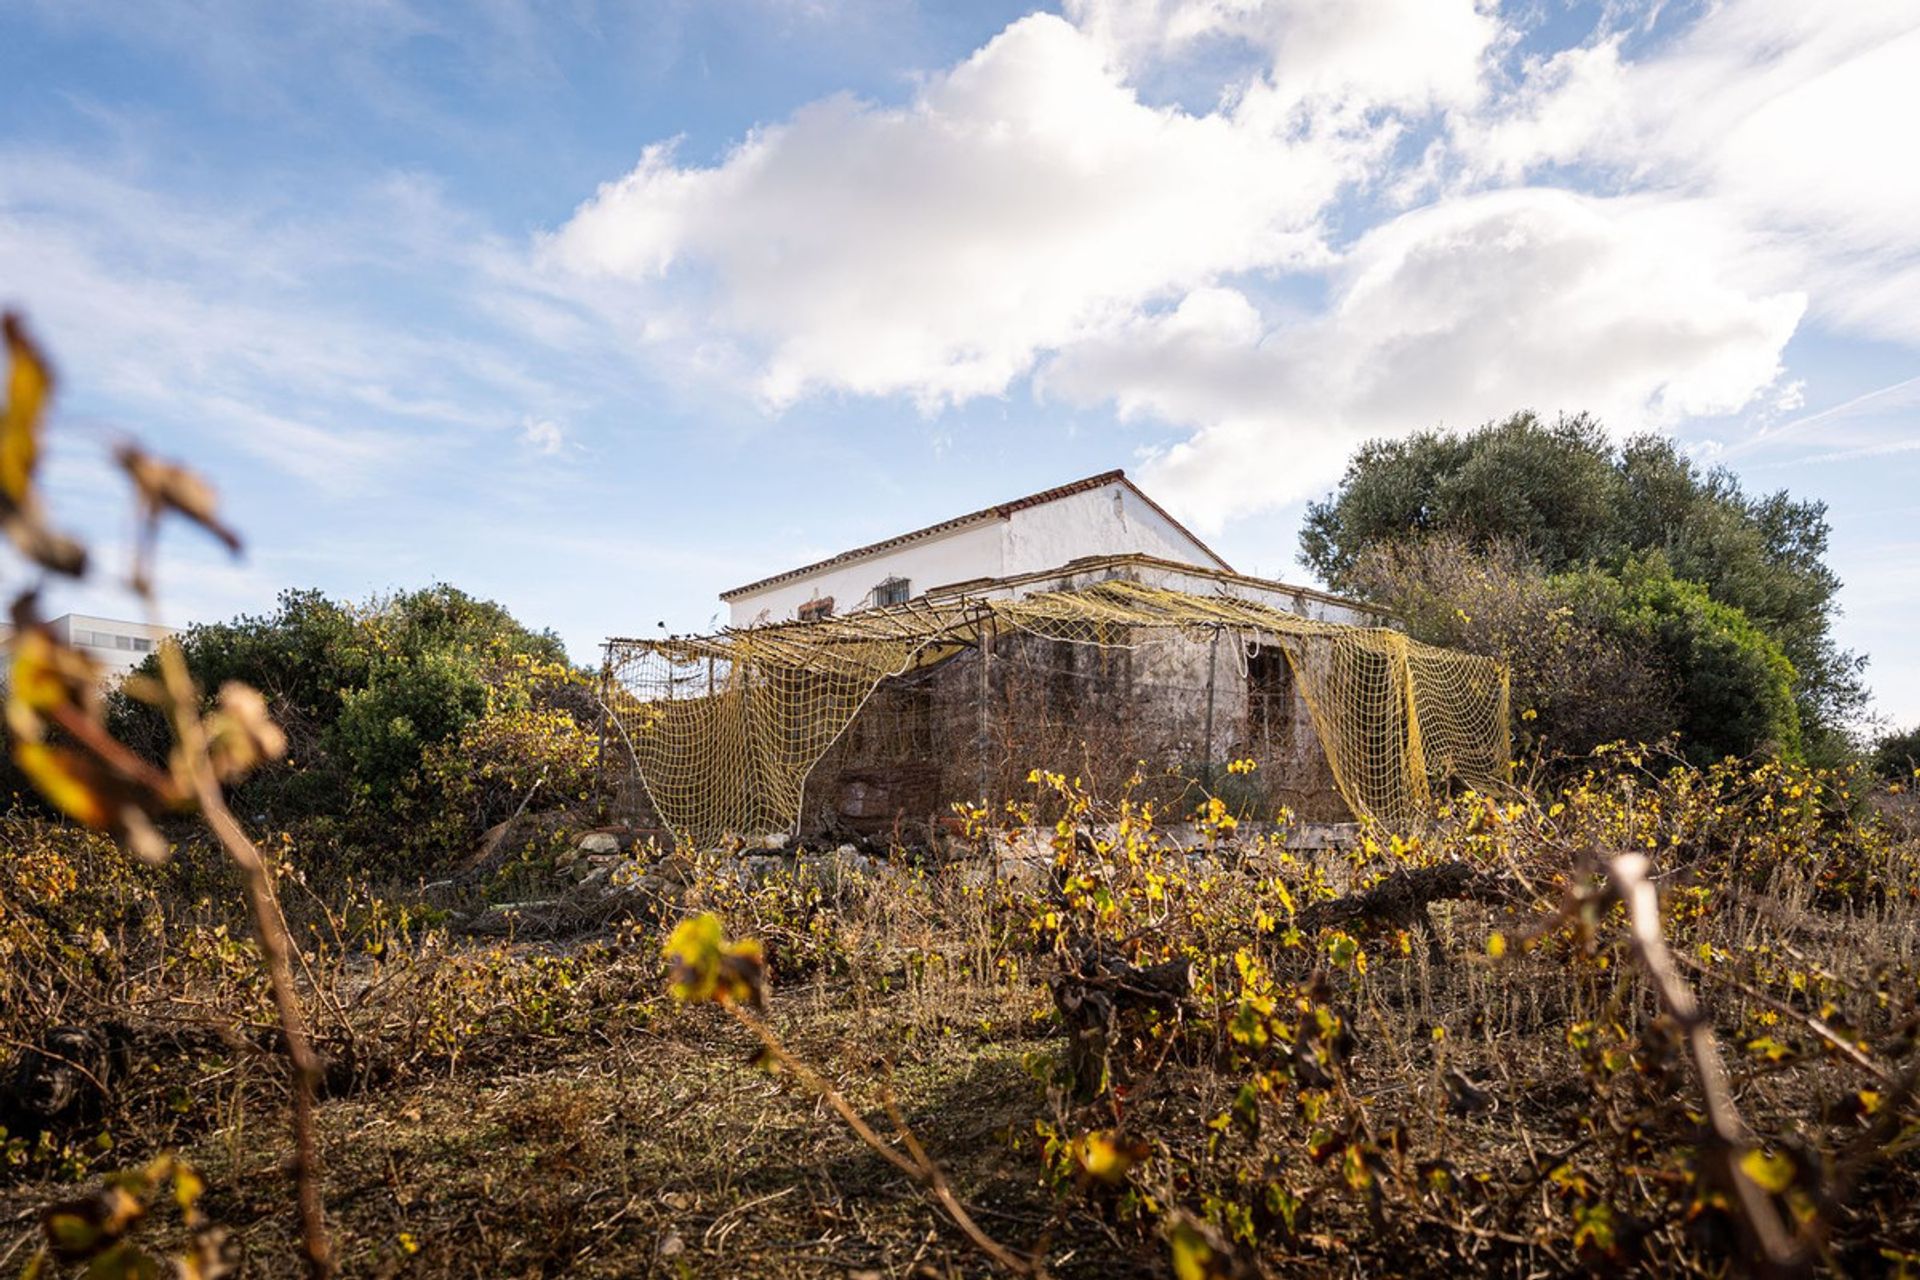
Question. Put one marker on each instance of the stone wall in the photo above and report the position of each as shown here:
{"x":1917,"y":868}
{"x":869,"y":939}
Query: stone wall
{"x":1095,"y":712}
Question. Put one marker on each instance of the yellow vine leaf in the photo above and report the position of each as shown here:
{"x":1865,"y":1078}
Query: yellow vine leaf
{"x":1772,"y":1173}
{"x":1193,"y":1257}
{"x":706,"y":967}
{"x":29,"y":384}
{"x":62,"y":777}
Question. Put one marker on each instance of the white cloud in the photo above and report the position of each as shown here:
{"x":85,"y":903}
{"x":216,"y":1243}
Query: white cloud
{"x":1793,"y":120}
{"x":1028,"y":213}
{"x":1449,"y":315}
{"x":223,"y":320}
{"x":543,"y":434}
{"x":1397,"y":53}
{"x":1021,"y":199}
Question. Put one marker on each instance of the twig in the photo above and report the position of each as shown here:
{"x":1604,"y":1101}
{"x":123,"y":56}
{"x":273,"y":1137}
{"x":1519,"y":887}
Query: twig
{"x":1817,"y":1026}
{"x":276,"y":948}
{"x":916,"y":1165}
{"x":1781,"y":1253}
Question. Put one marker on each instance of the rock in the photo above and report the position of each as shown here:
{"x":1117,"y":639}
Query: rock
{"x":594,"y":866}
{"x":774,"y":841}
{"x":758,"y":867}
{"x":1022,"y":871}
{"x":674,"y":870}
{"x":598,"y":842}
{"x":660,"y":890}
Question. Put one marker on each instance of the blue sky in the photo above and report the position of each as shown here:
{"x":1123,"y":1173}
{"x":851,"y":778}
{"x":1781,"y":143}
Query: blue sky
{"x":599,"y":309}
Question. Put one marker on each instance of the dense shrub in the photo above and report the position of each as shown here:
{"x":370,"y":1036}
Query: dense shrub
{"x":1897,"y":755}
{"x":1733,"y":685}
{"x":1596,"y":656}
{"x":535,"y":745}
{"x":1578,"y":678}
{"x":381,"y":701}
{"x":407,"y":705}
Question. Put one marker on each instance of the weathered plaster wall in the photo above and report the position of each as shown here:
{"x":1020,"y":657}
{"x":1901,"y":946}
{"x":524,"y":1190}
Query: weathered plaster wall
{"x":973,"y":552}
{"x":1090,"y":712}
{"x":1111,"y":520}
{"x":1108,"y":521}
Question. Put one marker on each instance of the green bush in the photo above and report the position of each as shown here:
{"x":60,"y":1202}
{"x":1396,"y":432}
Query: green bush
{"x":1596,"y":655}
{"x":1568,"y":498}
{"x":1577,"y":678}
{"x":1733,"y":686}
{"x":1897,"y":755}
{"x":407,"y":705}
{"x":367,"y":693}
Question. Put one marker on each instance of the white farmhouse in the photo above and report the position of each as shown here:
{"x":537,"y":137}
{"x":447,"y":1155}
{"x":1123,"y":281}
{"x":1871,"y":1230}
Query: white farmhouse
{"x":1081,"y":629}
{"x":1103,"y":515}
{"x":1058,"y":539}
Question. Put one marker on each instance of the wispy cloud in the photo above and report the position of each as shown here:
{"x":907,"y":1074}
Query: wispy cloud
{"x":1889,"y":408}
{"x":543,"y":434}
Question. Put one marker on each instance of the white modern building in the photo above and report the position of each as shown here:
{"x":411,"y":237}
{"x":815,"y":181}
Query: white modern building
{"x":115,"y":643}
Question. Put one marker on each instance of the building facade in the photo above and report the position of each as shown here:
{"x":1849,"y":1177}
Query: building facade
{"x":1103,"y":515}
{"x":115,"y":643}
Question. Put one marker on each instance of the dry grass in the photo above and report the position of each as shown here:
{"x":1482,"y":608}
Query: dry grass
{"x":543,"y":1109}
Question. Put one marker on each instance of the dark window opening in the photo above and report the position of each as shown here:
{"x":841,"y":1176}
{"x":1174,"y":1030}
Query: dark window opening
{"x":893,"y":591}
{"x":1270,"y":702}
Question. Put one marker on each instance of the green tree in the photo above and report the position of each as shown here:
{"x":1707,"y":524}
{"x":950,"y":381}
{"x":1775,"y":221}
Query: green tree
{"x":1571,"y":500}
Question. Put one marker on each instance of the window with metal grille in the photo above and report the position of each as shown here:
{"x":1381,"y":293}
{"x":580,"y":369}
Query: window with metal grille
{"x":1270,"y":707}
{"x":893,"y":591}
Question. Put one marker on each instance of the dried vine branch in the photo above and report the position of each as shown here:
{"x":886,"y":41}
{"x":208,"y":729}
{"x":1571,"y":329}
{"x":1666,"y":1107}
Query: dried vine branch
{"x":276,"y":949}
{"x":60,"y":740}
{"x":915,"y":1163}
{"x":1779,"y":1252}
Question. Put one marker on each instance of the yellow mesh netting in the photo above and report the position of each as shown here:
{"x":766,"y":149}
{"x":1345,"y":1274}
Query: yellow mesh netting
{"x":725,"y":729}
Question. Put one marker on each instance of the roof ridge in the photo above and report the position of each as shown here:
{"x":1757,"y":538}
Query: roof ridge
{"x":1000,"y":510}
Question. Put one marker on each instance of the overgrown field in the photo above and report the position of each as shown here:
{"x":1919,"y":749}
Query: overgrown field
{"x":1092,"y":1039}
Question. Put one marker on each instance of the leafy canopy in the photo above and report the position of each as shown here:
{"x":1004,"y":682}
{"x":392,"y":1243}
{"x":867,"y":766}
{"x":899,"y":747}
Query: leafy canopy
{"x":1570,"y":499}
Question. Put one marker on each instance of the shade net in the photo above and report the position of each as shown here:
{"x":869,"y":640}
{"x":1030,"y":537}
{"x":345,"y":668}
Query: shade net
{"x":725,"y":730}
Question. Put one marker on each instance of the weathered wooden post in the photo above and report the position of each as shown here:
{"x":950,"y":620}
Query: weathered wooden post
{"x":1213,"y":662}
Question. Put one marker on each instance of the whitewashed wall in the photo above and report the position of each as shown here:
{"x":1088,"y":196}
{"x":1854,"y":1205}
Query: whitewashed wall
{"x":1108,"y":521}
{"x":973,"y":552}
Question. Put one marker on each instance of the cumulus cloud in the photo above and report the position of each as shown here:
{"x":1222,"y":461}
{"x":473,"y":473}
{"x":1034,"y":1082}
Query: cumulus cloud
{"x":1032,"y":213}
{"x":1787,"y":117}
{"x":1393,"y":53}
{"x":1022,"y":198}
{"x":1444,"y":316}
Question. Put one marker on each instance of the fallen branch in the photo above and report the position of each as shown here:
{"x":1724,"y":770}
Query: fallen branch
{"x":1401,"y":900}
